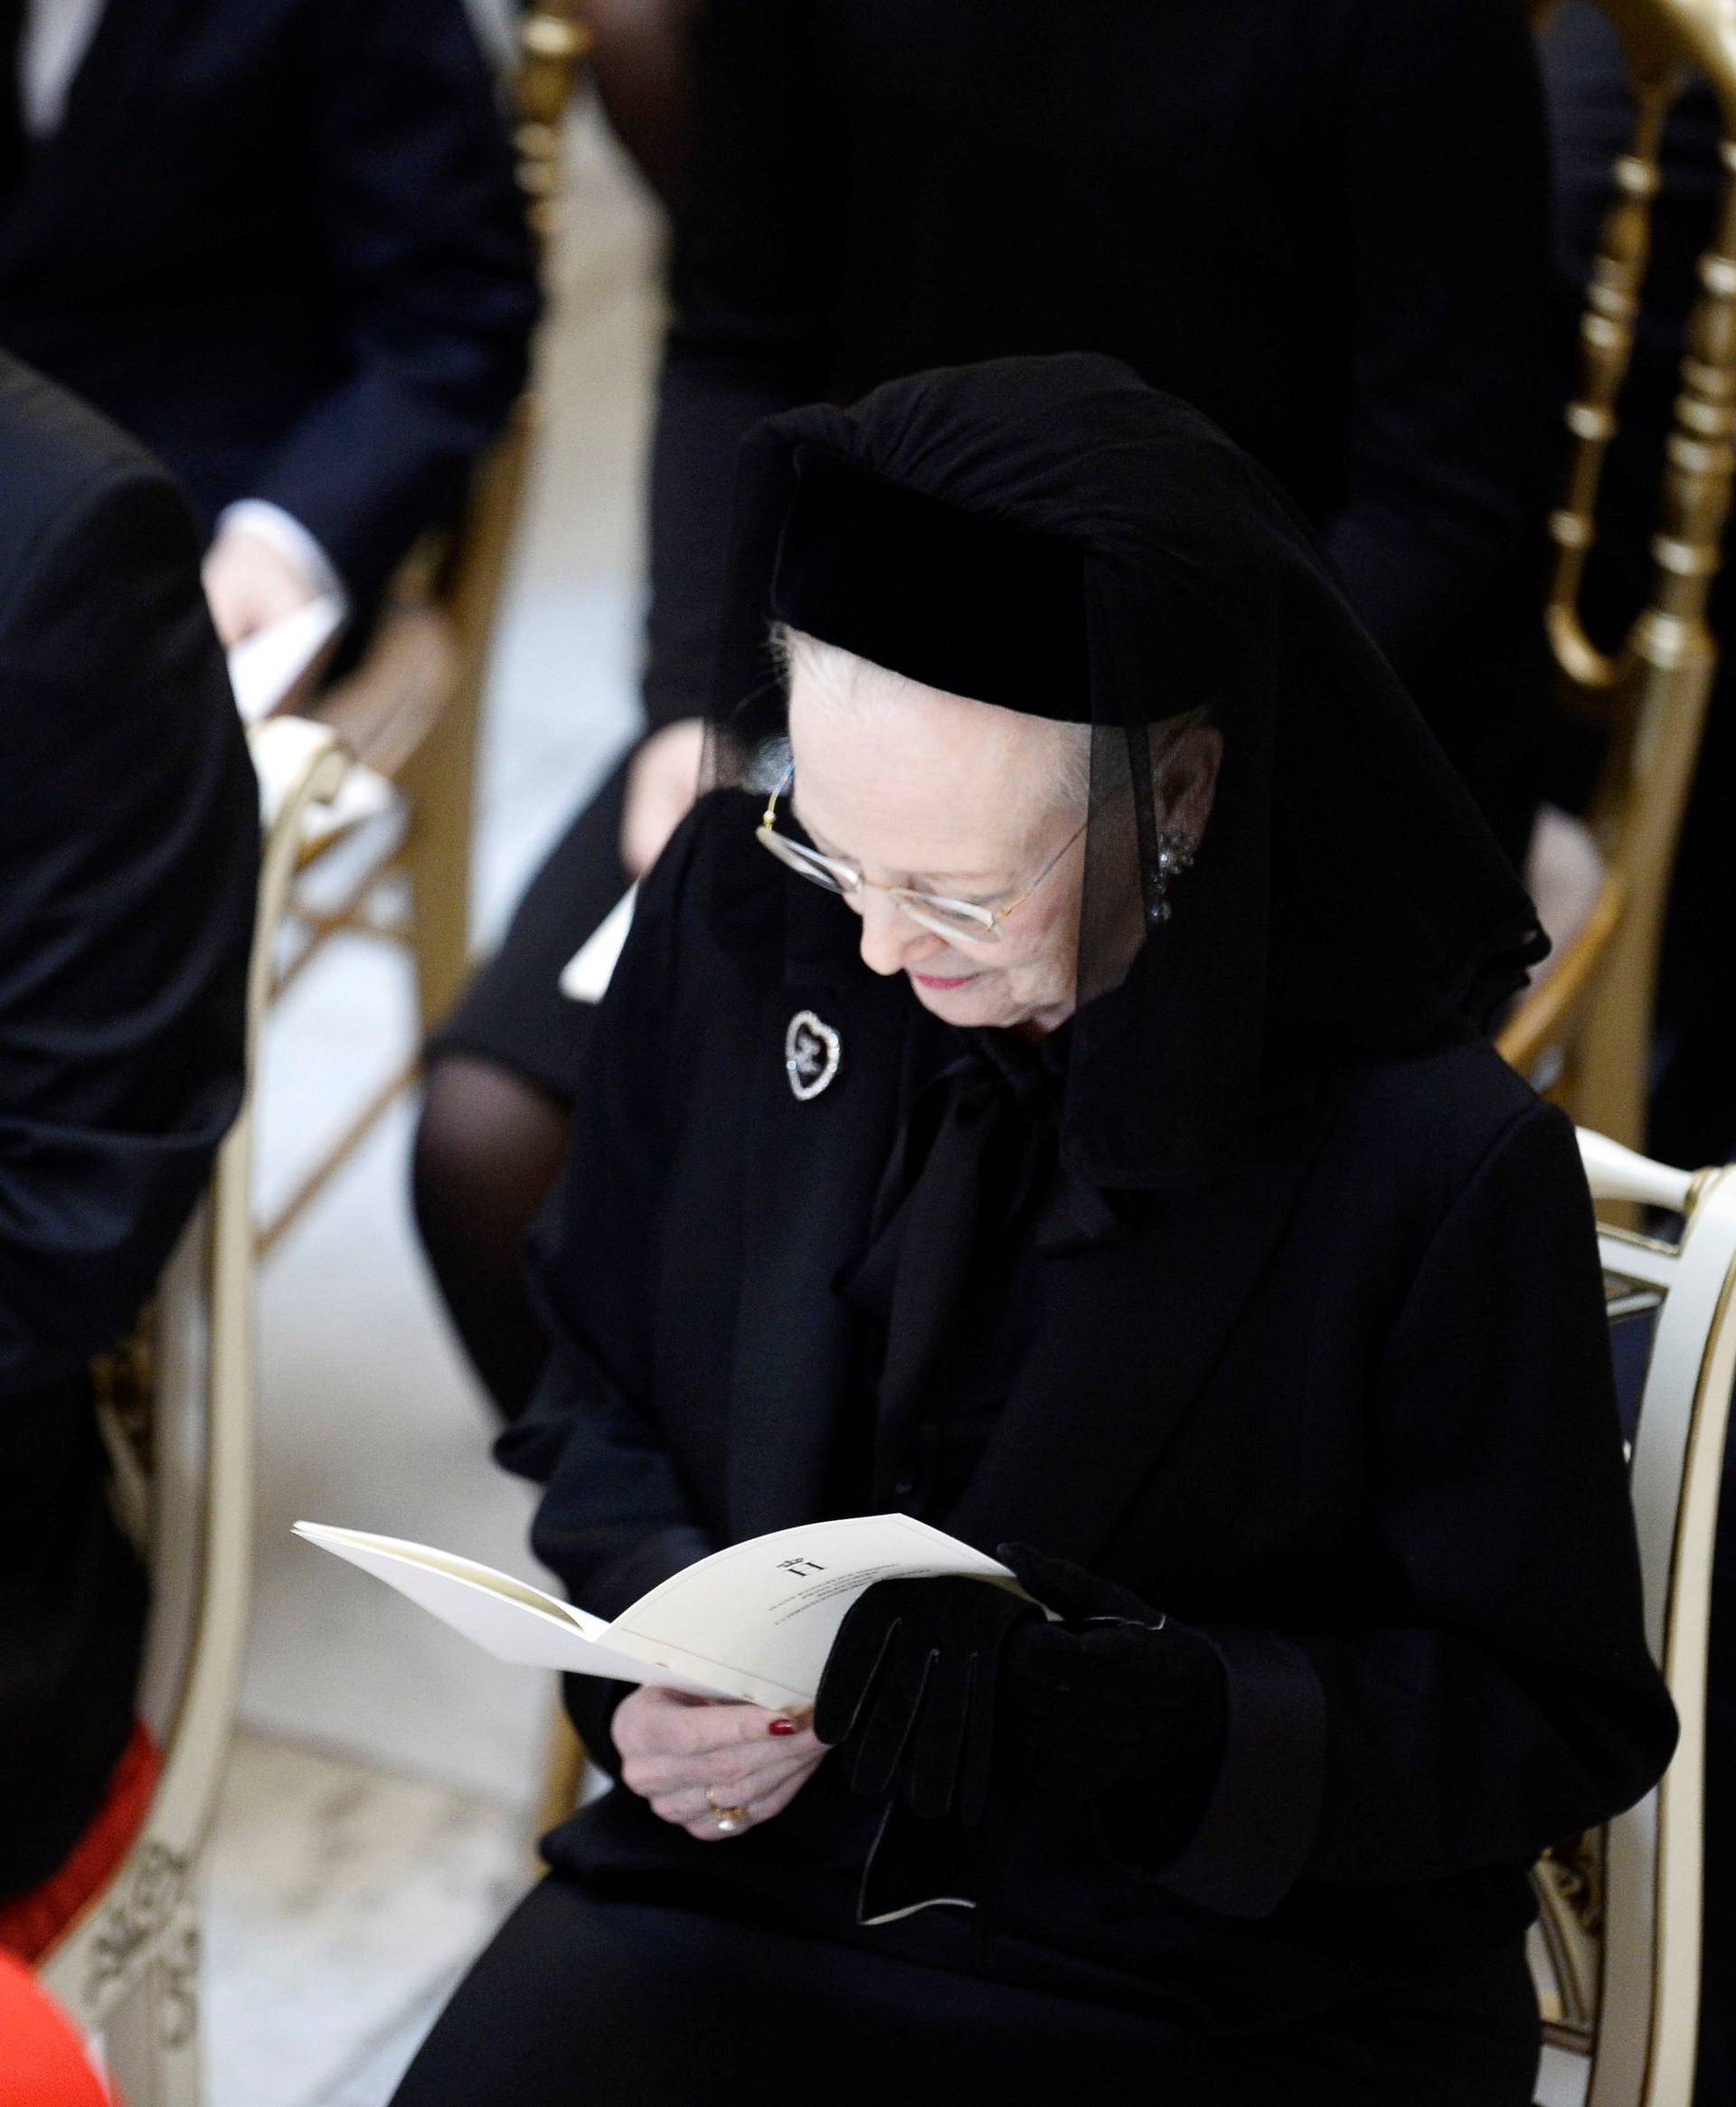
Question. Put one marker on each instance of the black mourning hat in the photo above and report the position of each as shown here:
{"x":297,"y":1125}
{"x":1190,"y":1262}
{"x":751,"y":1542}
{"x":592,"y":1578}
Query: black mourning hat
{"x":970,"y":605}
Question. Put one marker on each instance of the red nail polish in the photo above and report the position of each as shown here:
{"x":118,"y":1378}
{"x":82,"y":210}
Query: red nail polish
{"x":781,"y":1727}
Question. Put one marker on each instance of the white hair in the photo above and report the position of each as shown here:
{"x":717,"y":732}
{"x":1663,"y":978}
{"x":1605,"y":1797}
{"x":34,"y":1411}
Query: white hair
{"x":846,"y":678}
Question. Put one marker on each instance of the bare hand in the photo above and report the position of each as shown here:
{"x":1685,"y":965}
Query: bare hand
{"x":661,"y":786}
{"x":250,"y":584}
{"x":673,"y":1746}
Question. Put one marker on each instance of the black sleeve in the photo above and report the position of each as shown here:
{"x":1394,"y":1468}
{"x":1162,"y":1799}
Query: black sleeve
{"x":1516,"y":1703}
{"x":1451,"y":418}
{"x":756,"y":247}
{"x":128,"y":858}
{"x":616,"y":1518}
{"x":425,"y":225}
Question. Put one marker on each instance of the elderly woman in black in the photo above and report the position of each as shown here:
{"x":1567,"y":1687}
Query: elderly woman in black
{"x":1052,"y":1101}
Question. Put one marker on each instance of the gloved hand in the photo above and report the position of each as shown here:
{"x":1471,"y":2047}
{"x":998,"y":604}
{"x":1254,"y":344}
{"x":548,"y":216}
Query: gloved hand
{"x":908,"y":1691}
{"x":937,"y":1687}
{"x":1116,"y":1703}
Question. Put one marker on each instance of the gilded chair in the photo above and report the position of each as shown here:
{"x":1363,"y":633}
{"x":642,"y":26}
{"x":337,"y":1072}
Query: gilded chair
{"x":1582,"y":1032}
{"x":176,"y":1409}
{"x":566,"y":1773}
{"x":410,"y":714}
{"x":1616,"y":1953}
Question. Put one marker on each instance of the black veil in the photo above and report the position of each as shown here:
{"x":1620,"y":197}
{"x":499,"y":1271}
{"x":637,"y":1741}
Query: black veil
{"x":1052,"y":535}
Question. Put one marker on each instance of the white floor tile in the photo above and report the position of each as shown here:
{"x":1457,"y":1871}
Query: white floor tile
{"x":343,"y":1905}
{"x":369,"y":1420}
{"x":371,"y":2077}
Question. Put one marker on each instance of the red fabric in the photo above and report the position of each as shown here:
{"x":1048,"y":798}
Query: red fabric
{"x":30,"y":1923}
{"x":42,"y":2060}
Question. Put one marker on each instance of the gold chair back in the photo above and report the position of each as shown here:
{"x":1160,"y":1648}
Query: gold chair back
{"x":1583,"y":1032}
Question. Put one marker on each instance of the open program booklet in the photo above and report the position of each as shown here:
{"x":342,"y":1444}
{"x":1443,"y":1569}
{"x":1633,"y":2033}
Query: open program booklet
{"x":755,"y":1621}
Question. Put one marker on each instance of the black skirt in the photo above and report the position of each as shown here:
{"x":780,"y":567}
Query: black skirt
{"x":514,"y":1012}
{"x":612,"y":1998}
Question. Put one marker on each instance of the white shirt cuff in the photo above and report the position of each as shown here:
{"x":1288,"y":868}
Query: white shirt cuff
{"x":290,"y":539}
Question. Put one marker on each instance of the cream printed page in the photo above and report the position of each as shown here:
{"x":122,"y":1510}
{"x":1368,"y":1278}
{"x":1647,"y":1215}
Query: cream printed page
{"x":755,"y":1621}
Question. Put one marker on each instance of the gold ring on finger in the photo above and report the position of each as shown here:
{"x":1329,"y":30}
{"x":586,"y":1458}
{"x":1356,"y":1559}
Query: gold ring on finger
{"x":731,"y":1820}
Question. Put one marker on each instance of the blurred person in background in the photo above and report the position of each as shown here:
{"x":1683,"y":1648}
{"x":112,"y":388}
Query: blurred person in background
{"x":128,"y":856}
{"x":639,"y":59}
{"x":280,"y":241}
{"x":1323,"y":221}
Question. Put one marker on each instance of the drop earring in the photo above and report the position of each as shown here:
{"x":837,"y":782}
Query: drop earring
{"x":1175,"y":856}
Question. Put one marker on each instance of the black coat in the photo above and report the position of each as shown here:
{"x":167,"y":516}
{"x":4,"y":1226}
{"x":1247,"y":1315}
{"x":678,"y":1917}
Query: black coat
{"x":1348,"y":1413}
{"x":280,"y":241}
{"x":128,"y":854}
{"x":1321,"y":222}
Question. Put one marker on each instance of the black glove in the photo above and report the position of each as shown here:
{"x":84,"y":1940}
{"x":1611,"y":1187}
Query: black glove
{"x":1116,"y":1703}
{"x":936,"y":1687}
{"x":910,"y":1688}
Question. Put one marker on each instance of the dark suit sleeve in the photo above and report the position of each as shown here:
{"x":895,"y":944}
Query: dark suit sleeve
{"x":756,"y":241}
{"x":616,"y":1518}
{"x":1516,"y":1702}
{"x":425,"y":225}
{"x":128,"y":856}
{"x":1450,"y":418}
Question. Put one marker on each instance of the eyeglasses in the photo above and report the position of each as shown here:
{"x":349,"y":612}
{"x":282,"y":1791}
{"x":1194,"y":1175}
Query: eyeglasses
{"x":959,"y":920}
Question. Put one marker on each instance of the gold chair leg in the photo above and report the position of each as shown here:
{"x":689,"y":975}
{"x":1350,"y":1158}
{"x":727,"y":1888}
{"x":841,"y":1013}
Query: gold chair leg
{"x":439,"y":782}
{"x":1614,"y":1053}
{"x":563,"y":1772}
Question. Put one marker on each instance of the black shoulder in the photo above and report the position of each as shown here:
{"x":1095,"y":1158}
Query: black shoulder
{"x":113,"y":693}
{"x":1463,"y":1089}
{"x":732,"y":889}
{"x":102,"y":611}
{"x":703,"y":913}
{"x":1412,"y":1146}
{"x":58,"y":459}
{"x":1432,"y":1119}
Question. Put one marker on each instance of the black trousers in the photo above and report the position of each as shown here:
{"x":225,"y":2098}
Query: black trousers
{"x":583,"y":1999}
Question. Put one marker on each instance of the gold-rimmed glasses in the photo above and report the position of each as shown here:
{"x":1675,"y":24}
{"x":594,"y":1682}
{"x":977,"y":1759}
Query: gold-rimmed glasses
{"x":969,"y":922}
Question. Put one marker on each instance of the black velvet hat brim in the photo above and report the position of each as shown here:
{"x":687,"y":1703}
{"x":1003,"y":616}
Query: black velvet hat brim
{"x":961,"y":603}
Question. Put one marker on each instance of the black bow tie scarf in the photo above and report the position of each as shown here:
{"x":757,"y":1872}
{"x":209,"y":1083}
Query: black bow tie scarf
{"x":934,"y":1288}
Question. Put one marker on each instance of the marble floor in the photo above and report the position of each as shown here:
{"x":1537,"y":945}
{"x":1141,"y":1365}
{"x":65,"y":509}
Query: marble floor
{"x":343,"y":1903}
{"x":377,"y":1821}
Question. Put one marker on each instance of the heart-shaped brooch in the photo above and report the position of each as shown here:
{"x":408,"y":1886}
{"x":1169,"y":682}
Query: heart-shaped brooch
{"x":811,"y":1051}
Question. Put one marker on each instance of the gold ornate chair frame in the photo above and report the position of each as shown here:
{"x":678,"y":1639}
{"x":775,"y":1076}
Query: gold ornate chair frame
{"x":1583,"y":1032}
